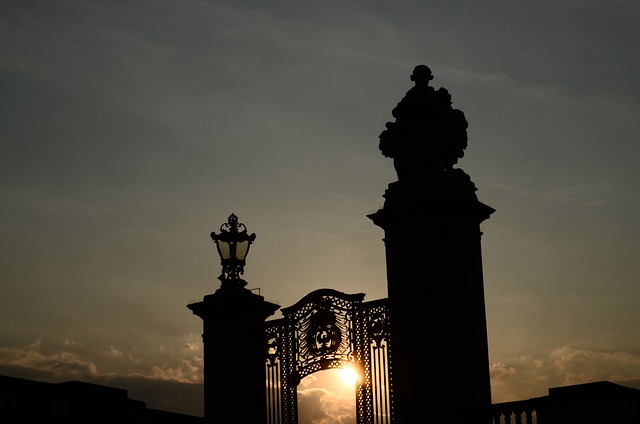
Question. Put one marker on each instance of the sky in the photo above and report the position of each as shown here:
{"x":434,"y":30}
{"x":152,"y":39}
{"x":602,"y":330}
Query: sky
{"x":131,"y":129}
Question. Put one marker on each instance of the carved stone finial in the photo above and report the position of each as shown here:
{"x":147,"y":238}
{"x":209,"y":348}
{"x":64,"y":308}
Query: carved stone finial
{"x":421,"y":74}
{"x":428,"y":135}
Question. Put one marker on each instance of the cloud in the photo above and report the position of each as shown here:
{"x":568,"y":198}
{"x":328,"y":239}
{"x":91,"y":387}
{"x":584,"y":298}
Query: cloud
{"x":113,"y":351}
{"x":52,"y":361}
{"x":72,"y":344}
{"x":60,"y":365}
{"x":585,"y":194}
{"x":323,"y":399}
{"x":527,"y":376}
{"x":500,"y":370}
{"x":186,"y":374}
{"x":321,"y":406}
{"x":582,"y":366}
{"x":172,"y":385}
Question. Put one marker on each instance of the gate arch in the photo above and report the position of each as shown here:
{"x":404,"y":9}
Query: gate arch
{"x":328,"y":329}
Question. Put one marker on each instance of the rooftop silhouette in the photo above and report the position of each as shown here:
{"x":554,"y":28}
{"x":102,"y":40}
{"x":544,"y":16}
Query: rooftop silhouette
{"x":75,"y":402}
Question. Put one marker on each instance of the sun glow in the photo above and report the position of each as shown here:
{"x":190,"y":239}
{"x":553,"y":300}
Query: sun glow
{"x":348,"y":375}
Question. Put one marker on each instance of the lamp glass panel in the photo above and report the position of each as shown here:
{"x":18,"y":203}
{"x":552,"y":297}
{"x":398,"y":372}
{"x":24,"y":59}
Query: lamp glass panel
{"x":224,"y":249}
{"x":242,"y":249}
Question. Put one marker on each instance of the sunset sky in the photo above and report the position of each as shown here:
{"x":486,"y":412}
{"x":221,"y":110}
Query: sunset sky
{"x":131,"y":129}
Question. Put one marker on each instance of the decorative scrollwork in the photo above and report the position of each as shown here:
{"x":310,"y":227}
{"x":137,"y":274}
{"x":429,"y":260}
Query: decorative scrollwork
{"x":324,"y":328}
{"x":328,"y":329}
{"x":273,"y":349}
{"x":232,"y":225}
{"x":323,"y":336}
{"x":378,"y":328}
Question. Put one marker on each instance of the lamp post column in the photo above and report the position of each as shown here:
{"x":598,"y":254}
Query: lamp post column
{"x":234,"y":355}
{"x":234,"y":343}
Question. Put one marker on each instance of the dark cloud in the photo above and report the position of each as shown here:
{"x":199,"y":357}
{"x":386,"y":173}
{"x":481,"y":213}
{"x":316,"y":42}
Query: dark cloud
{"x":60,"y":140}
{"x":582,"y":46}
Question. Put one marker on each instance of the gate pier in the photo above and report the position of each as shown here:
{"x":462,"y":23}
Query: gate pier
{"x":431,"y":220}
{"x":233,"y":336}
{"x":233,"y":339}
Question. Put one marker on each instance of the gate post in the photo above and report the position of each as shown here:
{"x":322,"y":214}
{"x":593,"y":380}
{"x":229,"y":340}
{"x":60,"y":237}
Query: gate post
{"x":234,"y":336}
{"x":234,"y":355}
{"x":431,"y":220}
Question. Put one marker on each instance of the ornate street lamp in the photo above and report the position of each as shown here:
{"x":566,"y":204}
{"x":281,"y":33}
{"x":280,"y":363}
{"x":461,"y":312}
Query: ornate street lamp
{"x":233,"y":244}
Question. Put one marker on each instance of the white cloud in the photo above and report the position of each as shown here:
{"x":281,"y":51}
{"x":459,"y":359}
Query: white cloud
{"x":324,"y":399}
{"x":526,"y":376}
{"x":194,"y":347}
{"x":113,"y":351}
{"x":582,"y":366}
{"x":68,"y":343}
{"x":53,"y":361}
{"x":58,"y":366}
{"x":321,"y":406}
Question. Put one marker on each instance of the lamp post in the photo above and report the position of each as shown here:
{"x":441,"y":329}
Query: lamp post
{"x":233,"y":244}
{"x":234,"y":336}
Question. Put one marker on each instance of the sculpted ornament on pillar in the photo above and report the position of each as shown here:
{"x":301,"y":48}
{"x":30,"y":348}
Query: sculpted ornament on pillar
{"x":428,"y":135}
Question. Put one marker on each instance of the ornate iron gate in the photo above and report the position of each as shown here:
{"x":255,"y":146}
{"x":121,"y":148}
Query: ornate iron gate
{"x":329,"y":329}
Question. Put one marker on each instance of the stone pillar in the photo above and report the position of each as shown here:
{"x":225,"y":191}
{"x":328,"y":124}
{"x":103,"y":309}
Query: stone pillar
{"x":234,"y":355}
{"x":431,"y":221}
{"x":436,"y":300}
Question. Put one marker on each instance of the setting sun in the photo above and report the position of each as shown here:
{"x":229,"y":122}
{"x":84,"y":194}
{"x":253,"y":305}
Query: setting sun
{"x":348,"y":375}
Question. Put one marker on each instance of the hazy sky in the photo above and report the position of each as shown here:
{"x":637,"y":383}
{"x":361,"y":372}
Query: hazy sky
{"x":132,"y":129}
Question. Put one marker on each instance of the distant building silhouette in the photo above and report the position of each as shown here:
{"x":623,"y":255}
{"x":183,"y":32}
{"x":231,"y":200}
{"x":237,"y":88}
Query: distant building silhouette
{"x":24,"y":400}
{"x":600,"y":402}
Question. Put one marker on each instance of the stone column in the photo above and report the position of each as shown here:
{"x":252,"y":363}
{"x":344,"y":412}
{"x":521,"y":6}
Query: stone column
{"x":431,"y":221}
{"x":436,"y":299}
{"x":234,"y":355}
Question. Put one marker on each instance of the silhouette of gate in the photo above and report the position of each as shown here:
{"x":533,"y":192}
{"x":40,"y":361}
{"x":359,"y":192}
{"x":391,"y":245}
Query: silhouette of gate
{"x":328,"y":329}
